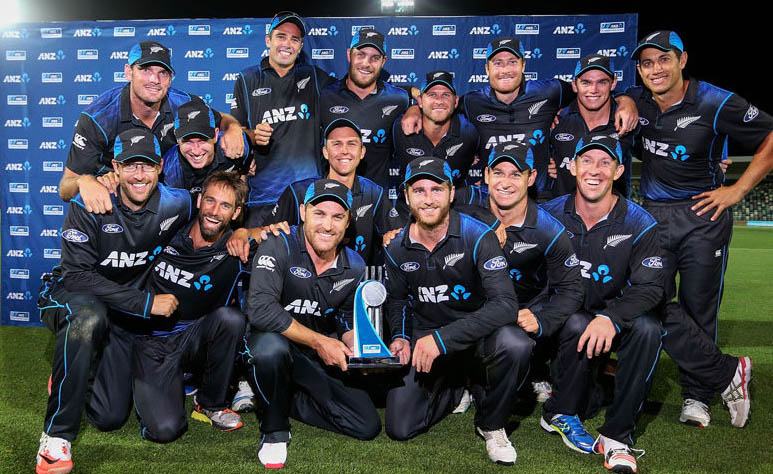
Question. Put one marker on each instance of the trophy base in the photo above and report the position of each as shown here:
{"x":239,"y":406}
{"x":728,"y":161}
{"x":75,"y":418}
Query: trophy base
{"x":373,"y":363}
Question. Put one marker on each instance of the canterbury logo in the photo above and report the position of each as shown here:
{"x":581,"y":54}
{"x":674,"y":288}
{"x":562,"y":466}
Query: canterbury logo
{"x":167,"y":223}
{"x":613,"y":240}
{"x":521,"y":247}
{"x":685,"y":121}
{"x":136,"y":139}
{"x":193,"y":114}
{"x":340,"y":284}
{"x":452,"y":150}
{"x":387,"y":110}
{"x":451,"y":259}
{"x":302,"y":83}
{"x":362,"y":210}
{"x":534,"y":109}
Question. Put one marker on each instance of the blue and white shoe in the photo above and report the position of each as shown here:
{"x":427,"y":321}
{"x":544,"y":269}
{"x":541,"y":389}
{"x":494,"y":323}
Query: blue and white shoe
{"x":572,"y":432}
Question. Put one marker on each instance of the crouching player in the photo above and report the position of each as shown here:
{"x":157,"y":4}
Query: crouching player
{"x":618,"y":252}
{"x":204,"y":332}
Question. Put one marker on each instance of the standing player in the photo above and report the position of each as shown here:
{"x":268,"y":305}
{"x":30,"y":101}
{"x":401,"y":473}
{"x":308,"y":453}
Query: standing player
{"x":513,"y":109}
{"x":199,"y":149}
{"x":618,"y":251}
{"x":203,"y":332}
{"x":451,"y":303}
{"x":147,"y":102}
{"x":300,"y":308}
{"x":277,"y":101}
{"x":686,"y":124}
{"x":363,"y":97}
{"x":592,"y":112}
{"x":87,"y":302}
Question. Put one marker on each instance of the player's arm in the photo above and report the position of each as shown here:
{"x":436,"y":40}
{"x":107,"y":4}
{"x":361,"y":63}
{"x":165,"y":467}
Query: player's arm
{"x":500,"y":307}
{"x":88,"y":145}
{"x":241,"y":106}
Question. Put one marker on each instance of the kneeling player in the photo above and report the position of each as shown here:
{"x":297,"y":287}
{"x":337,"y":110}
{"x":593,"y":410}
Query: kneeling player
{"x":204,"y":332}
{"x":300,"y":308}
{"x":450,"y":301}
{"x":617,"y":249}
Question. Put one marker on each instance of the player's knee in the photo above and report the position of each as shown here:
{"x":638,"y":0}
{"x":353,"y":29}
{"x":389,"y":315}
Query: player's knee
{"x":575,"y":325}
{"x":269,"y":350}
{"x":231,"y":320}
{"x":513,"y":344}
{"x":399,"y":431}
{"x":647,"y":330}
{"x":370,"y":427}
{"x":107,"y":421}
{"x":88,"y":321}
{"x":164,"y":431}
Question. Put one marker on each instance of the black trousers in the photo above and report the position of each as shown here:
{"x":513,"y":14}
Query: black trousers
{"x":697,"y":249}
{"x":209,"y":345}
{"x":499,"y":363}
{"x":295,"y":382}
{"x":91,"y":364}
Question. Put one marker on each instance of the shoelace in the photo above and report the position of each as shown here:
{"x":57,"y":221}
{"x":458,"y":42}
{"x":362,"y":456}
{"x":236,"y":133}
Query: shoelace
{"x":499,"y":437}
{"x":628,"y":451}
{"x":574,"y":423}
{"x":689,"y":403}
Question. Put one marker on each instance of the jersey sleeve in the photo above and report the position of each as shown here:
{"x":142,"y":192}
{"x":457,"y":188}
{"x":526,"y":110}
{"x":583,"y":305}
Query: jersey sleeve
{"x":645,"y":288}
{"x":172,"y":172}
{"x":397,"y":307}
{"x":500,"y":308}
{"x":240,"y":105}
{"x":79,"y":266}
{"x":743,"y":122}
{"x":89,"y":143}
{"x":566,"y":93}
{"x":285,"y":209}
{"x":264,"y":300}
{"x":324,"y":78}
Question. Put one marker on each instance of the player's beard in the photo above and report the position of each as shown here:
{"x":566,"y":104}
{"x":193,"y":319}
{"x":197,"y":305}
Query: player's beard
{"x":360,"y":83}
{"x":438,"y":219}
{"x":209,"y":234}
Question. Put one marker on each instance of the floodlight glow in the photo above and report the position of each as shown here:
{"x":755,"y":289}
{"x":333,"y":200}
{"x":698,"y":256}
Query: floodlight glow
{"x":11,"y":12}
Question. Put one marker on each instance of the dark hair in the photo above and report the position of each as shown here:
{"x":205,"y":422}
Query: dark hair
{"x":228,"y":179}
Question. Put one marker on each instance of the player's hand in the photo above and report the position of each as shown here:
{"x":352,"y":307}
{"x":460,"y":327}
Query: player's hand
{"x":501,"y":233}
{"x":411,"y":121}
{"x":599,"y":334}
{"x":556,"y":121}
{"x":110,"y":181}
{"x":552,"y":169}
{"x":348,"y":339}
{"x":424,"y":354}
{"x":719,"y":199}
{"x":401,"y":349}
{"x":164,"y":305}
{"x":389,"y":236}
{"x":263,"y":133}
{"x":274,"y":229}
{"x":232,"y":142}
{"x":95,"y":196}
{"x":527,"y":321}
{"x":332,"y":351}
{"x":725,"y":164}
{"x":239,"y":244}
{"x":626,"y":115}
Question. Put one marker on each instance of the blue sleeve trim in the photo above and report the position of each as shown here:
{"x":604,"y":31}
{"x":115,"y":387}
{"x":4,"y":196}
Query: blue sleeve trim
{"x":107,"y":141}
{"x":643,"y":232}
{"x":539,"y":334}
{"x":442,"y":344}
{"x":287,"y":244}
{"x":386,"y":252}
{"x":145,"y":311}
{"x":246,"y":101}
{"x":554,"y":239}
{"x":716,"y":116}
{"x":297,"y":206}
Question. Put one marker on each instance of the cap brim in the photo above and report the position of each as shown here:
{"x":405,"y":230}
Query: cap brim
{"x":600,"y":68}
{"x":182,"y":134}
{"x":341,"y":122}
{"x":597,"y":146}
{"x":328,"y":197}
{"x":153,"y":159}
{"x":427,"y":174}
{"x":636,"y":52}
{"x":368,"y":43}
{"x":505,"y":48}
{"x":141,"y":62}
{"x":438,"y":81}
{"x":294,"y":19}
{"x":511,"y":159}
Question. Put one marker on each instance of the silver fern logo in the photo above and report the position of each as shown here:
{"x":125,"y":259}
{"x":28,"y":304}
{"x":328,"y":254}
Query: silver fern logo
{"x":302,"y":83}
{"x":685,"y":121}
{"x":521,"y":247}
{"x":362,"y":210}
{"x":614,"y":240}
{"x":340,"y":284}
{"x":167,"y":223}
{"x":451,"y":151}
{"x":386,"y":111}
{"x":451,"y":259}
{"x":534,"y":109}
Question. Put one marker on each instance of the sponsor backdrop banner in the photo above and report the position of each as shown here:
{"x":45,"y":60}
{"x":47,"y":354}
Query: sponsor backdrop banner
{"x":51,"y":71}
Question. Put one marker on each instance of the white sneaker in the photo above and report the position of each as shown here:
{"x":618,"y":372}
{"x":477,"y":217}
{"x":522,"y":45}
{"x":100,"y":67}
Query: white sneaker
{"x":464,"y":403}
{"x":273,"y":453}
{"x":736,"y":396}
{"x":695,"y":413}
{"x":54,"y":456}
{"x":618,"y":457}
{"x":243,"y":400}
{"x":498,"y":446}
{"x":543,"y":390}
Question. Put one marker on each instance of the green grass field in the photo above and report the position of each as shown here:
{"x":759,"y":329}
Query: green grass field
{"x":746,"y":328}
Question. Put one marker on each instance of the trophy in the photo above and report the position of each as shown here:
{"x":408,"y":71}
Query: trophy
{"x":370,"y":352}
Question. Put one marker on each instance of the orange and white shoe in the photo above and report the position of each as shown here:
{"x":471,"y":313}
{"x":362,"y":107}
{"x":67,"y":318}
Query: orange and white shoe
{"x":54,"y":456}
{"x":618,"y":457}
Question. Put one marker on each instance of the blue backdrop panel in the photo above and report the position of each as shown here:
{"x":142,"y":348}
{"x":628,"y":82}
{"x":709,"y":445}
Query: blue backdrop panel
{"x":51,"y":71}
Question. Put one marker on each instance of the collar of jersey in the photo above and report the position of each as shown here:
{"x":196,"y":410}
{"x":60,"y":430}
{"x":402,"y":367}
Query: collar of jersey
{"x":454,"y":230}
{"x":265,"y":65}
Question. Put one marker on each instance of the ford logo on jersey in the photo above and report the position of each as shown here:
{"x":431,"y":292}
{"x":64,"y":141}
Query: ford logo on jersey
{"x":643,"y":121}
{"x":409,"y":266}
{"x":485,"y":118}
{"x":415,"y":151}
{"x":653,"y":262}
{"x":496,"y":263}
{"x":73,"y":235}
{"x":572,"y":261}
{"x":300,"y":272}
{"x":339,"y":109}
{"x":112,"y":229}
{"x":564,"y":137}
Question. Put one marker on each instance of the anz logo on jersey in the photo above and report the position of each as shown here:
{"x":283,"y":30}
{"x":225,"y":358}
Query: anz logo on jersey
{"x":286,"y":114}
{"x":601,"y":274}
{"x":433,"y":294}
{"x":175,"y":275}
{"x":301,"y":306}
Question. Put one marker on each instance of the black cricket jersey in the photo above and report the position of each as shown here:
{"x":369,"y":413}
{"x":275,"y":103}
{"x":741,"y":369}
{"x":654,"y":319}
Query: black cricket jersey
{"x":461,"y":290}
{"x":374,"y":114}
{"x":563,"y":143}
{"x":91,"y":151}
{"x":370,"y":216}
{"x":290,"y":104}
{"x":681,"y":148}
{"x":107,"y":255}
{"x":527,"y":119}
{"x":202,"y":279}
{"x":178,"y":173}
{"x":285,"y":286}
{"x":620,"y":259}
{"x":540,"y":259}
{"x":458,"y":147}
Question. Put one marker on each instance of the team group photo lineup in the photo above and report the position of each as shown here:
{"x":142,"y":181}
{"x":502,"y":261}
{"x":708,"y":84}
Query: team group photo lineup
{"x":361,"y":254}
